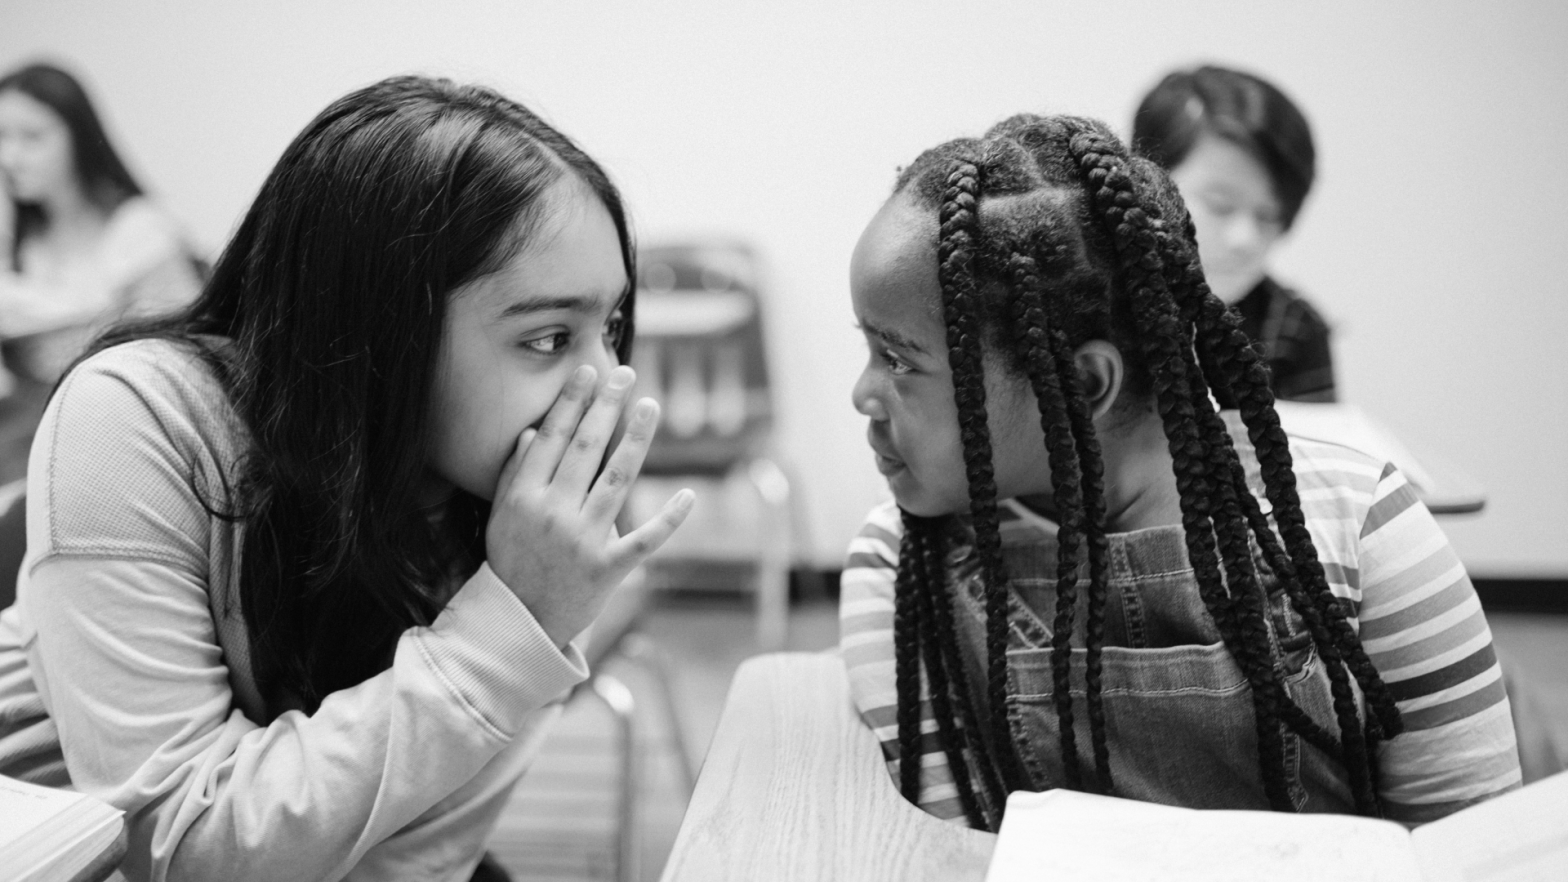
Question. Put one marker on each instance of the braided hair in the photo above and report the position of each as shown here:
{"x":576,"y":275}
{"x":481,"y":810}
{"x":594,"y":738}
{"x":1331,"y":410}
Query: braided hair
{"x":1052,"y":234}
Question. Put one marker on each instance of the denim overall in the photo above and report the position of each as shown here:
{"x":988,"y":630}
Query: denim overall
{"x":1179,"y":718}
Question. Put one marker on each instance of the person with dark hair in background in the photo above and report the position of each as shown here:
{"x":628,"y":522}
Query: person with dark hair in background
{"x":80,"y":244}
{"x":1241,"y":153}
{"x":1106,"y":566}
{"x":307,"y":559}
{"x":85,"y":245}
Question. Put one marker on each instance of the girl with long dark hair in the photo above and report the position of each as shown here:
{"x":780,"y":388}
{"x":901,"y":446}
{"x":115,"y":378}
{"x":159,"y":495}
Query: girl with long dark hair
{"x":82,"y":244}
{"x":305,"y":560}
{"x":1105,"y":566}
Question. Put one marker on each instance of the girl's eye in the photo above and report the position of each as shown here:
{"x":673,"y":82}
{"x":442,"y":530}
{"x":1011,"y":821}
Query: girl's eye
{"x":1218,"y":206}
{"x":615,"y":329}
{"x":895,"y":365}
{"x":549,"y":344}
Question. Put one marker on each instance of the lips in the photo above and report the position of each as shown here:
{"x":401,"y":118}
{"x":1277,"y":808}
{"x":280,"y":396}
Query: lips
{"x":887,"y":464}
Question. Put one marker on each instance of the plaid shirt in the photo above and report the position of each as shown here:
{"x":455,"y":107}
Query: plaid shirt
{"x":1293,"y":339}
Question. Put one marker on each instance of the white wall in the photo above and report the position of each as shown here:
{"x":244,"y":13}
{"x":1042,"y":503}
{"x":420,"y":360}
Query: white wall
{"x":1433,"y":240}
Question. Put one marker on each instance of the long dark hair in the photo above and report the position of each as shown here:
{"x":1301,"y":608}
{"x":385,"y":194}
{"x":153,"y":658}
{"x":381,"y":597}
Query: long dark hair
{"x":323,"y":319}
{"x":1240,"y":107}
{"x":102,"y":174}
{"x":1052,"y":234}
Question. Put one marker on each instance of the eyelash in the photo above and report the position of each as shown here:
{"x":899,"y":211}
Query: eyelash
{"x":615,"y":328}
{"x":555,"y":343}
{"x":560,"y":341}
{"x":895,"y":365}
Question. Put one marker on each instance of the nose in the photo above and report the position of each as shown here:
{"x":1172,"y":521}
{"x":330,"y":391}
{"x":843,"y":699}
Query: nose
{"x":602,"y":358}
{"x":866,"y":397}
{"x":1246,"y":231}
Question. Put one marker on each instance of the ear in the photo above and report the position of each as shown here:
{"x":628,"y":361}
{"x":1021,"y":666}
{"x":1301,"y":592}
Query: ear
{"x":1102,"y":372}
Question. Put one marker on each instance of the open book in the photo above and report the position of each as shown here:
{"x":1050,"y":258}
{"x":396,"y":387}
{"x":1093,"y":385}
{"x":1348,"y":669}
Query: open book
{"x":50,"y":835}
{"x":1518,"y":837}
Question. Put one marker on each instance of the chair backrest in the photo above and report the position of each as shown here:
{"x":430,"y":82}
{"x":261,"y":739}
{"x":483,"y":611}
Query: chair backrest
{"x":700,"y":351}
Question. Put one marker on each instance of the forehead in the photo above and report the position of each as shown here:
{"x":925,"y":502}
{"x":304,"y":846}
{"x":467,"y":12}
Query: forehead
{"x":1216,"y":163}
{"x":19,"y":108}
{"x":893,"y":272}
{"x":569,"y":251}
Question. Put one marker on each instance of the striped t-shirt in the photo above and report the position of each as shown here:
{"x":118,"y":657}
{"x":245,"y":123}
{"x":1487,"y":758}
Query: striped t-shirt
{"x":1412,"y":603}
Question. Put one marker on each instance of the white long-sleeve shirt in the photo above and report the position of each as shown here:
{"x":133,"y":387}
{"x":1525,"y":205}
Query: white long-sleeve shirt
{"x":140,"y":265}
{"x":131,"y":626}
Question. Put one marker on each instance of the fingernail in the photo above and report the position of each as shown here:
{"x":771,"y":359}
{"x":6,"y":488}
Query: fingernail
{"x":684,"y":499}
{"x":584,"y":374}
{"x":621,"y":378}
{"x":645,"y":409}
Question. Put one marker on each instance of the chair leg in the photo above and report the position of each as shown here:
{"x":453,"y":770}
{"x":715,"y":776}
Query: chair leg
{"x":774,"y":558}
{"x":644,"y":651}
{"x":619,"y":700}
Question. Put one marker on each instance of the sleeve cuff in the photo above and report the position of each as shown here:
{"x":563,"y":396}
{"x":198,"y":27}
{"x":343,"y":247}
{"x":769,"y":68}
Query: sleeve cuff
{"x":494,"y":655}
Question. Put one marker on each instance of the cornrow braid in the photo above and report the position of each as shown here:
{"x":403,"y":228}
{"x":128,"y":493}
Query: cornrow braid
{"x":959,"y":226}
{"x":906,"y":660}
{"x":1168,"y":348}
{"x":1092,"y":476}
{"x":1242,"y":509}
{"x":939,"y":643}
{"x":1238,"y":367}
{"x":1079,"y":497}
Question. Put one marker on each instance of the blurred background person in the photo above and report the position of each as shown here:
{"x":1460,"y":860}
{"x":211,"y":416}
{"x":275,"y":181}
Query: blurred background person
{"x":80,"y":244}
{"x":1241,"y":153}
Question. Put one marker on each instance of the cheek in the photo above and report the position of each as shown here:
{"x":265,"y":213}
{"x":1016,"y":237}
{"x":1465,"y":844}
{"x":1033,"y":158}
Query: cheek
{"x":50,"y":159}
{"x":1017,"y":441}
{"x":1209,"y":230}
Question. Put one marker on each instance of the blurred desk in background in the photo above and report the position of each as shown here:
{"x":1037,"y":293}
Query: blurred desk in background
{"x":794,"y":787}
{"x":1440,"y":485}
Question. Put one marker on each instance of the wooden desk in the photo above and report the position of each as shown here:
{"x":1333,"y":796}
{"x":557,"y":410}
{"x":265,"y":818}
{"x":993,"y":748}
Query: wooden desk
{"x":794,"y":787}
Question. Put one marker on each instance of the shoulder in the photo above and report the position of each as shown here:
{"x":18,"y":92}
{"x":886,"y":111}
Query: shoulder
{"x":140,"y":234}
{"x":1338,"y":484}
{"x":1296,"y":309}
{"x":139,"y":215}
{"x":160,"y":373}
{"x":134,"y":405}
{"x":137,"y":443}
{"x":876,"y":543}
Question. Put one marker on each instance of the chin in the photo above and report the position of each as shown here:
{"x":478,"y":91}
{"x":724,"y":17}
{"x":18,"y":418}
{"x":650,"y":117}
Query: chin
{"x":925,"y":508}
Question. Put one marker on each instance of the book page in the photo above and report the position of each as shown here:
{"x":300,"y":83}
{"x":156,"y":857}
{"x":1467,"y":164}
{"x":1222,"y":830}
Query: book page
{"x":25,"y":807}
{"x":1517,"y":837}
{"x":1086,"y":838}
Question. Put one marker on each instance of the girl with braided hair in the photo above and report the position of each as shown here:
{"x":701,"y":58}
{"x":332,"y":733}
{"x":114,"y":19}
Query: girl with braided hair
{"x":1106,"y":567}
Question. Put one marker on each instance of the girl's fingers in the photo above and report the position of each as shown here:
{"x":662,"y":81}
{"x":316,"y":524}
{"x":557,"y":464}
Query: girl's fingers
{"x":555,"y":432}
{"x":609,"y":490}
{"x":584,"y":454}
{"x":514,"y":463}
{"x":635,"y":547}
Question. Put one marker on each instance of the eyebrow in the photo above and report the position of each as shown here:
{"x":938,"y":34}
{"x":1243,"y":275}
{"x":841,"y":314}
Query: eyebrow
{"x":893,"y":338}
{"x":586,"y":304}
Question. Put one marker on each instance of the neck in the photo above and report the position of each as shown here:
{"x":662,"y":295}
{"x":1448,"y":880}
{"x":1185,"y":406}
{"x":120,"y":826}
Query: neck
{"x":69,"y":211}
{"x":1140,"y":486}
